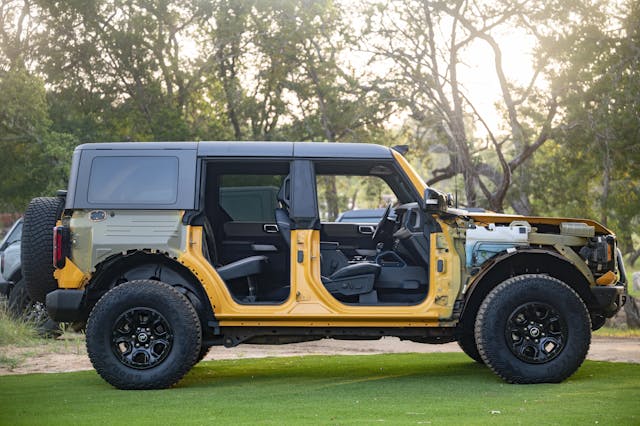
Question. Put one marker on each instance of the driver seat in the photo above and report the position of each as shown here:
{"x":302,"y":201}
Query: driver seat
{"x":346,"y":281}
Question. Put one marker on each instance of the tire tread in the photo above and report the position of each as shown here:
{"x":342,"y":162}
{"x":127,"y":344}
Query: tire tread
{"x":496,"y":365}
{"x":102,"y":358}
{"x":36,"y":254}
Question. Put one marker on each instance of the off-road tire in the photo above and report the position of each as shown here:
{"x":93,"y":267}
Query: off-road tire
{"x":509,"y":309}
{"x":180,"y":322}
{"x":37,"y":246}
{"x":204,"y":350}
{"x":467,"y":343}
{"x":21,"y":307}
{"x":19,"y":300}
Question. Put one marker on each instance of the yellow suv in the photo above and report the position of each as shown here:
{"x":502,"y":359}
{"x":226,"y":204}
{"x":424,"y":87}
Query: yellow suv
{"x":167,"y":249}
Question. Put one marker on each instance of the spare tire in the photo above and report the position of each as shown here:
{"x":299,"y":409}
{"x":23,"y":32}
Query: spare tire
{"x":37,"y":246}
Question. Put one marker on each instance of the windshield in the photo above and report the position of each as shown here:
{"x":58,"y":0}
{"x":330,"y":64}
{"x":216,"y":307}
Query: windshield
{"x":14,"y":234}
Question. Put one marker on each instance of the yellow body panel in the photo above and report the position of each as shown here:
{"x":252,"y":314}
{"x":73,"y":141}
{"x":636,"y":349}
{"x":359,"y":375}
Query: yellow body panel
{"x":309,"y":303}
{"x":70,"y":276}
{"x":414,"y":177}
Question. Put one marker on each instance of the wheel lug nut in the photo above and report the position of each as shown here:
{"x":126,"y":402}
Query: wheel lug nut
{"x":146,"y":346}
{"x":137,"y":345}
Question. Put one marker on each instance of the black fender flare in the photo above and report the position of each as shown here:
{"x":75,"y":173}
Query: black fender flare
{"x":522,"y":261}
{"x":143,"y":265}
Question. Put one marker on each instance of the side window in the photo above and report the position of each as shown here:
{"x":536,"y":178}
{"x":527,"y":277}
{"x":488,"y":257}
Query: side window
{"x":352,"y":198}
{"x":250,"y":198}
{"x":133,"y":180}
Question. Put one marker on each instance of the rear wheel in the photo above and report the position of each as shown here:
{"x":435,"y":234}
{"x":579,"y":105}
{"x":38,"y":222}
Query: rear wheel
{"x":143,"y":335}
{"x":533,"y":329}
{"x":40,"y":217}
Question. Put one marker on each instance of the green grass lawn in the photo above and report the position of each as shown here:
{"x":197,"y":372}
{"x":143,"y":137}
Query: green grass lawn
{"x":374,"y":389}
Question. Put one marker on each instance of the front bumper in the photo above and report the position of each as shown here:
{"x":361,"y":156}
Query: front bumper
{"x":5,"y":287}
{"x":610,"y":299}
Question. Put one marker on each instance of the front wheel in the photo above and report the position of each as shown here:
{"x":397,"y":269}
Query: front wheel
{"x":467,"y":343}
{"x":533,"y":329}
{"x":143,"y":335}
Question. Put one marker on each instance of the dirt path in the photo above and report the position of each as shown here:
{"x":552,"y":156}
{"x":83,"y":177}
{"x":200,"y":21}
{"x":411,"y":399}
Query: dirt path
{"x":72,"y":356}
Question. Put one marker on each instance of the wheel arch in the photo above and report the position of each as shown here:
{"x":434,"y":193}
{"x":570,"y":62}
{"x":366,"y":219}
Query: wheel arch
{"x":143,"y":265}
{"x":526,"y":261}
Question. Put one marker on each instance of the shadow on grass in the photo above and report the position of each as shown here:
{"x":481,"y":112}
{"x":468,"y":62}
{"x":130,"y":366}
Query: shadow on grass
{"x":338,"y":370}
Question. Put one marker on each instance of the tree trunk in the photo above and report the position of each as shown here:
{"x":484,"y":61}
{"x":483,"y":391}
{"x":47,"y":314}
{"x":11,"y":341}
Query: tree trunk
{"x":331,"y":197}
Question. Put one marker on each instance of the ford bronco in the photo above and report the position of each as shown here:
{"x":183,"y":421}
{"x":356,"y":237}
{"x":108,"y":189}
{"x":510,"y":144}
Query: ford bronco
{"x":167,"y":249}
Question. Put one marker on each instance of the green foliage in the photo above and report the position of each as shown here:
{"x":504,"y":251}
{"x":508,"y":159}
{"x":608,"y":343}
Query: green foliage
{"x":13,"y":332}
{"x":23,"y":107}
{"x":591,"y":168}
{"x":394,"y":389}
{"x":115,"y":70}
{"x":34,"y":160}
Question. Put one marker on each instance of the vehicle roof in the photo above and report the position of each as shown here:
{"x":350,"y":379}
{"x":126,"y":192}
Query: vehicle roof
{"x":255,"y":149}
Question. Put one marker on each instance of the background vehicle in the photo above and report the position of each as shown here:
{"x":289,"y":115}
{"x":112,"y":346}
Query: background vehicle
{"x":362,"y":216}
{"x":10,"y":272}
{"x":14,"y":288}
{"x":147,"y":246}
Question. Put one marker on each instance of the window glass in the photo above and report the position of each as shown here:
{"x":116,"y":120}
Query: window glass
{"x":133,"y":180}
{"x":250,"y":198}
{"x":16,"y":235}
{"x":356,"y":199}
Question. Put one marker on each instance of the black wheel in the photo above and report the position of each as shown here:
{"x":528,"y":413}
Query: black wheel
{"x":143,"y":335}
{"x":533,"y":329}
{"x":37,"y":245}
{"x":22,"y":307}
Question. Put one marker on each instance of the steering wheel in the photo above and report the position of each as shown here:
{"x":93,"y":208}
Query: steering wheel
{"x":383,"y":221}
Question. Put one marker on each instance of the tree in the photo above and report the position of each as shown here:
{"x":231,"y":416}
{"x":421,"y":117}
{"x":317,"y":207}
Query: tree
{"x":123,"y":65}
{"x":599,"y":65}
{"x":34,"y":159}
{"x":426,"y":42}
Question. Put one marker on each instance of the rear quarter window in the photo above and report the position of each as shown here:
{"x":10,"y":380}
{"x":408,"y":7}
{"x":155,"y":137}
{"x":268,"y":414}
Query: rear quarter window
{"x":133,"y":180}
{"x":138,"y":179}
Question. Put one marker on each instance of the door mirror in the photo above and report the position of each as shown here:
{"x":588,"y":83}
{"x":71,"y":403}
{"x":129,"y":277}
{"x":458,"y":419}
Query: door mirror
{"x":434,"y":200}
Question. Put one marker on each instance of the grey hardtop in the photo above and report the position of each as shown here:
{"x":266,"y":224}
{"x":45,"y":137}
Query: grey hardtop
{"x":116,"y":146}
{"x":254,"y":149}
{"x":164,"y":175}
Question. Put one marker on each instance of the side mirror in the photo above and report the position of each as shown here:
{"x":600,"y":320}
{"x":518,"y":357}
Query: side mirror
{"x":434,"y":200}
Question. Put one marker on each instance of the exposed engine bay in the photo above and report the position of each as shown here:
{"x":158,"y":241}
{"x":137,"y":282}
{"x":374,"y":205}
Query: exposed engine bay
{"x":597,"y":251}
